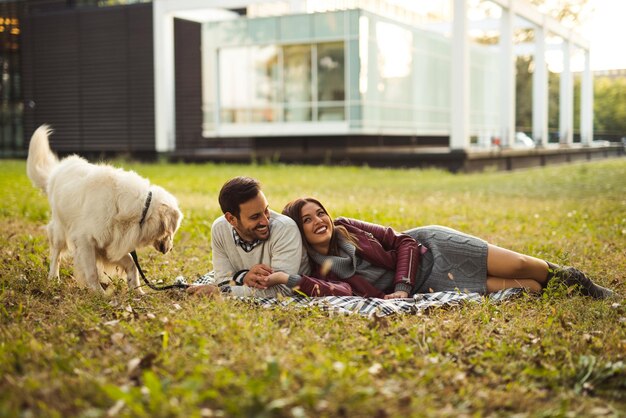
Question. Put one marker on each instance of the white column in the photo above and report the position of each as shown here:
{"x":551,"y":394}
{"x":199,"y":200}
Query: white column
{"x":586,"y":103}
{"x":566,"y":98}
{"x":507,"y":72}
{"x":164,"y":89}
{"x":459,"y":110}
{"x":540,"y":89}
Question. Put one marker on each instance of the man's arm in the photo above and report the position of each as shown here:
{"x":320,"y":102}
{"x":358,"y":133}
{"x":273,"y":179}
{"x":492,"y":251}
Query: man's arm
{"x":222,"y":267}
{"x":286,"y":248}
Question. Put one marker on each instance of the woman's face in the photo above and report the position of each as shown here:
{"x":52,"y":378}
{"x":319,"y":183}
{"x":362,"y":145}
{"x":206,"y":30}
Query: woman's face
{"x":316,"y":224}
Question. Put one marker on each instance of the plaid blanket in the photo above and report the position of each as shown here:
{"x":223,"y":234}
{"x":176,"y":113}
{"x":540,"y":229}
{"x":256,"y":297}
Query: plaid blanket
{"x":372,"y":306}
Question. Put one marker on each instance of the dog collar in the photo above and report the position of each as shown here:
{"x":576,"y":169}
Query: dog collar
{"x":145,"y":208}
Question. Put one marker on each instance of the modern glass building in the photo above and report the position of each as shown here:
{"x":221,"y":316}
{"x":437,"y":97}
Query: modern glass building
{"x":336,"y":73}
{"x":241,"y":79}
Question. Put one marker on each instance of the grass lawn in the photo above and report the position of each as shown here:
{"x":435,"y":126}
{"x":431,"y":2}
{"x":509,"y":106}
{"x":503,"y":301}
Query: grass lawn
{"x":67,"y":352}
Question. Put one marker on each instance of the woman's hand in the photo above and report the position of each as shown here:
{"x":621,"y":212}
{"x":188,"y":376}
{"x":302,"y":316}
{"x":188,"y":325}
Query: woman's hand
{"x":278,"y":277}
{"x":257,"y":276}
{"x":397,"y":295}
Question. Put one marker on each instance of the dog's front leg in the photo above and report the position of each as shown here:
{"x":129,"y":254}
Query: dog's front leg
{"x":85,"y":262}
{"x":132,"y":278}
{"x":55,"y":253}
{"x":56,"y":241}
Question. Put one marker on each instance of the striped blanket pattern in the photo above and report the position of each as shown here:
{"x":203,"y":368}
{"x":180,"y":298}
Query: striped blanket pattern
{"x":372,"y":306}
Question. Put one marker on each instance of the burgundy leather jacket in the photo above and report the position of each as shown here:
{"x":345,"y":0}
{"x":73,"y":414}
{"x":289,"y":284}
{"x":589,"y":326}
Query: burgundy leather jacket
{"x":382,"y":247}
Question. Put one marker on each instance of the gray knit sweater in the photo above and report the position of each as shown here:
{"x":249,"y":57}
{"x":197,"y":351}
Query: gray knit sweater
{"x":348,"y":263}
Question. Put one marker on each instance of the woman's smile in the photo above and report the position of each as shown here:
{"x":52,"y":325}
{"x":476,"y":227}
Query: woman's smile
{"x":317,"y":227}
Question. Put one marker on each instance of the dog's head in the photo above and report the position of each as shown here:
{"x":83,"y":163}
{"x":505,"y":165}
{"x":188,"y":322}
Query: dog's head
{"x":162,"y":221}
{"x":169,"y":218}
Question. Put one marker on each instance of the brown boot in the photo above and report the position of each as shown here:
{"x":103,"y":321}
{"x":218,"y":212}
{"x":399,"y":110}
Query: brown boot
{"x":571,"y":276}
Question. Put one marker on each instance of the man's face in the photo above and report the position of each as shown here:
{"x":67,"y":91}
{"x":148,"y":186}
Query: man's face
{"x":254,"y":219}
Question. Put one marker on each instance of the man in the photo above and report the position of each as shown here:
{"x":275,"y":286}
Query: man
{"x":250,"y":242}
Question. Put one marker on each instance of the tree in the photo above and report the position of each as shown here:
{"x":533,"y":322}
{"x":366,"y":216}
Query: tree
{"x":609,"y":107}
{"x":570,"y":13}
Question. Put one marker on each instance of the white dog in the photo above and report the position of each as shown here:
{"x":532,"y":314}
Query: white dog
{"x":100,"y":213}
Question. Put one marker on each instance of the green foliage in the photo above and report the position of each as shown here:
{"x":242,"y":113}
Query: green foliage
{"x":67,"y":352}
{"x":610,"y":105}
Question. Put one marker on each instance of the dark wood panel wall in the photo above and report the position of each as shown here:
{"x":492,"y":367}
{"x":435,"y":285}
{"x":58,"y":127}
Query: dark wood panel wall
{"x":89,"y":73}
{"x":187,"y":47}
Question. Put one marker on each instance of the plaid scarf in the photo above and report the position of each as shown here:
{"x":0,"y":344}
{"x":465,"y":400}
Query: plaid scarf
{"x":247,"y":246}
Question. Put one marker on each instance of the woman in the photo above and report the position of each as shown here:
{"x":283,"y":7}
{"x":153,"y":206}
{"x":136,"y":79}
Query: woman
{"x":354,"y":257}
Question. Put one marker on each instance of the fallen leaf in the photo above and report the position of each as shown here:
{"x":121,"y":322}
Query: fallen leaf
{"x":136,"y":365}
{"x":600,"y":410}
{"x":375,"y":369}
{"x":117,"y":338}
{"x":339,"y":366}
{"x":206,"y":412}
{"x":116,"y":409}
{"x":379,"y":322}
{"x":133,"y":364}
{"x":326,"y":266}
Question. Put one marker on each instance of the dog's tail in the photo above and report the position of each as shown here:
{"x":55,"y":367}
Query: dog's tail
{"x":40,"y":160}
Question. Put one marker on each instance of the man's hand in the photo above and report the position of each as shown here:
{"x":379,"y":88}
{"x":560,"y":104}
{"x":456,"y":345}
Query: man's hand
{"x":397,"y":295}
{"x":203,"y":290}
{"x":257,"y":276}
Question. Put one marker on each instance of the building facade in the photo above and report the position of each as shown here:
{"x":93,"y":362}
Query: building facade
{"x":337,"y":73}
{"x":150,"y":78}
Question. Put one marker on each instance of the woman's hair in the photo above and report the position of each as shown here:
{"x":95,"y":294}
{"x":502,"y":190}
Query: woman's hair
{"x":293,"y":209}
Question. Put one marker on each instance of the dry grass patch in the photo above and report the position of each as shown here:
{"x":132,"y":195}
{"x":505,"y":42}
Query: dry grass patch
{"x":67,"y":352}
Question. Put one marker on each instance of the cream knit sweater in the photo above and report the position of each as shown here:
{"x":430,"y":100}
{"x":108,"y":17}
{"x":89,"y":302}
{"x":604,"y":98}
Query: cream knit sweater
{"x":283,"y":251}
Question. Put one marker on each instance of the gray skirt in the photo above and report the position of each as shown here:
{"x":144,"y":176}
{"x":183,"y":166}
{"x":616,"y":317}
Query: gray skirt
{"x":454,"y":261}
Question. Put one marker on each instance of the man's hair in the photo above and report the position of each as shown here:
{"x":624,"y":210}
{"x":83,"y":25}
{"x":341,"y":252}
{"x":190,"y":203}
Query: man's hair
{"x":237,"y":191}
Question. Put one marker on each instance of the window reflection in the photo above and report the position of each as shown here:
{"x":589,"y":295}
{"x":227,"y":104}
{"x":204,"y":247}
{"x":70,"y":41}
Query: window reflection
{"x":395,"y":60}
{"x":234,"y":85}
{"x":331,"y":91}
{"x":275,"y":83}
{"x":297,"y":82}
{"x":266,"y":84}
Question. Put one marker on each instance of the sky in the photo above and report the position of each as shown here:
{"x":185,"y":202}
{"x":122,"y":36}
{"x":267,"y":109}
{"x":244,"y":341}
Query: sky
{"x":606,"y":31}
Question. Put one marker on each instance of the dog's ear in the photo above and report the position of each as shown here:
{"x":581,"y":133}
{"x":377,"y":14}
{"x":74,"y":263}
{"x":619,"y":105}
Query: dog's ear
{"x":170,"y":218}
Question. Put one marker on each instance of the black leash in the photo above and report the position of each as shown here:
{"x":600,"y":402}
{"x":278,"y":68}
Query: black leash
{"x":133,"y":254}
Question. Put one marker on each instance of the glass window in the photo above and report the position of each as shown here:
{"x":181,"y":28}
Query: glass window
{"x":395,"y":62}
{"x":331,"y":86}
{"x":297,"y":88}
{"x":265,"y":83}
{"x":276,"y":83}
{"x":234,"y":85}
